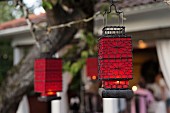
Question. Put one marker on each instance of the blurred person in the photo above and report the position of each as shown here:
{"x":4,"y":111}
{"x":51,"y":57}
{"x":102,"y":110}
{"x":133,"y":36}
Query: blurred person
{"x":143,"y":100}
{"x":165,"y":90}
{"x":160,"y":93}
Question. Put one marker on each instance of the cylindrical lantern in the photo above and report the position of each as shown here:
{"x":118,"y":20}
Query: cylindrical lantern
{"x":115,"y":62}
{"x":48,"y":76}
{"x":92,"y":68}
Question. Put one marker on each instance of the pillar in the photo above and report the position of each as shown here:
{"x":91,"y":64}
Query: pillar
{"x":18,"y":55}
{"x":110,"y":105}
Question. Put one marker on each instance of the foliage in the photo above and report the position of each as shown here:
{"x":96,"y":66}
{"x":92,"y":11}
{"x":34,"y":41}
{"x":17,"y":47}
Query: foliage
{"x":8,"y":11}
{"x":87,"y":48}
{"x":14,"y":87}
{"x":6,"y":58}
{"x":47,"y":5}
{"x":91,"y":42}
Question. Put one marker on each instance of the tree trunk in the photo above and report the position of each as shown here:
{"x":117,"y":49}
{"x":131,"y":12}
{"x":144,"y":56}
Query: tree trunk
{"x":20,"y":79}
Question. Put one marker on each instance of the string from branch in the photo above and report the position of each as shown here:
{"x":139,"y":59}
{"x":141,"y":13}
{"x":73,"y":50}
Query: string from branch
{"x":33,"y":26}
{"x":69,"y":24}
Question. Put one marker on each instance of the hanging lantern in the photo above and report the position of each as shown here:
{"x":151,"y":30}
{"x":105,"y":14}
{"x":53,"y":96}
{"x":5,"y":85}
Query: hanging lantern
{"x":115,"y":67}
{"x":92,"y":68}
{"x":115,"y":62}
{"x":48,"y":76}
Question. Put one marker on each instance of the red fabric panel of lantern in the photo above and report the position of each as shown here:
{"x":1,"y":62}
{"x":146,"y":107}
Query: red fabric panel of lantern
{"x":115,"y":58}
{"x":115,"y":84}
{"x":48,"y":76}
{"x":92,"y":68}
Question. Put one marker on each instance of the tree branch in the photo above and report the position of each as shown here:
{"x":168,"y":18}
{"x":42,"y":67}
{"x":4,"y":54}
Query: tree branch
{"x":69,"y":24}
{"x":20,"y":79}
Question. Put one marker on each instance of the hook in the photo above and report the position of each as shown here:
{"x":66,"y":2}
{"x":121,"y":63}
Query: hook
{"x":116,"y":10}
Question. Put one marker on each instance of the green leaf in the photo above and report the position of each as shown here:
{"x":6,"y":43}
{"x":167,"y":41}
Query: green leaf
{"x":91,"y":41}
{"x":66,"y":66}
{"x":84,"y":54}
{"x":47,"y":5}
{"x":91,"y":52}
{"x":7,"y":12}
{"x":74,"y":68}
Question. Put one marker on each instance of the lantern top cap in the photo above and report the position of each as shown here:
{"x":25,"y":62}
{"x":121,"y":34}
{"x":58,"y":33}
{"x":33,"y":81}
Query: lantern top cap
{"x":114,"y":30}
{"x":115,"y":8}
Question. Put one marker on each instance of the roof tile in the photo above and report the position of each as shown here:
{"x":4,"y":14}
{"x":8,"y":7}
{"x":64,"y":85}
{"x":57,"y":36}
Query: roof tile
{"x":131,"y":3}
{"x":21,"y":21}
{"x":42,"y":17}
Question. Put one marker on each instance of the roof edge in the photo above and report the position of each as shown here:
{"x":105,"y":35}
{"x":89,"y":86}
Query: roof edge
{"x":13,"y":31}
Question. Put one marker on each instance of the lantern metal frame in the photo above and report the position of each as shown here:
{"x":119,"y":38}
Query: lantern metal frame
{"x":110,"y":32}
{"x":114,"y":32}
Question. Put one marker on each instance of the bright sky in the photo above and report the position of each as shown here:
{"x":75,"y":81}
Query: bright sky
{"x":38,"y":9}
{"x":29,"y":2}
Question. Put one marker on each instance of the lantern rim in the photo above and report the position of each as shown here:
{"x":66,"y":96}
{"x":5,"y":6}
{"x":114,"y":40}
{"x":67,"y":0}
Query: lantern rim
{"x":114,"y":93}
{"x":48,"y":98}
{"x":114,"y":36}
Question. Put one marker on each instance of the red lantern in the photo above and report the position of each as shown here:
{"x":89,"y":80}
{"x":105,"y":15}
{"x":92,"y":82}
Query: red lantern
{"x":92,"y":68}
{"x":48,"y":76}
{"x":115,"y":62}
